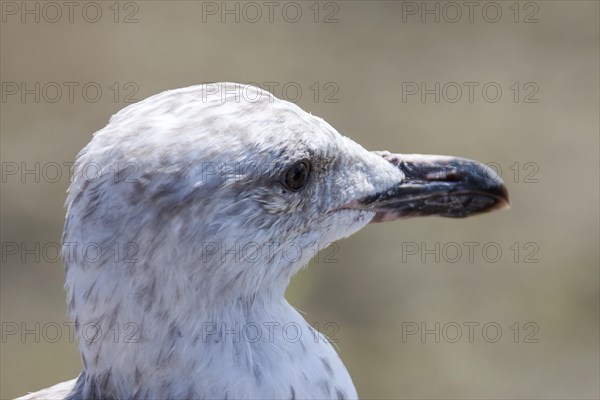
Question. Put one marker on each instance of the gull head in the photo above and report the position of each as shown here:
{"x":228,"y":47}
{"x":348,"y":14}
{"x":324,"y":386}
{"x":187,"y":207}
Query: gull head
{"x":205,"y":200}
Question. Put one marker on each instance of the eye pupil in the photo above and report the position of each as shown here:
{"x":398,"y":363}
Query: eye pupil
{"x":295,"y":177}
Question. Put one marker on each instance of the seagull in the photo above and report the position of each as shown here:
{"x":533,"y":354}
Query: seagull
{"x":187,"y":216}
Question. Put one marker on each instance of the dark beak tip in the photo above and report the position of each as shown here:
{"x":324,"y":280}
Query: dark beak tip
{"x":503,"y":199}
{"x":500,"y":192}
{"x":505,"y":196}
{"x":497,"y":194}
{"x":499,"y":205}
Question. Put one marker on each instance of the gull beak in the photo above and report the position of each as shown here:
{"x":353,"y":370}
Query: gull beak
{"x":437,"y":185}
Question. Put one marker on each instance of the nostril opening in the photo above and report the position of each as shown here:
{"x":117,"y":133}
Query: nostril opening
{"x":443,"y":176}
{"x":452,"y":176}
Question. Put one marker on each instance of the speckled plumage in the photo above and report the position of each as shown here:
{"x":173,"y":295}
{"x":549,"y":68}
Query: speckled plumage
{"x":182,"y":195}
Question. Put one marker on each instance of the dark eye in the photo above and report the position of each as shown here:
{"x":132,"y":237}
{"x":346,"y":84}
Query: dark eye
{"x":295,"y":177}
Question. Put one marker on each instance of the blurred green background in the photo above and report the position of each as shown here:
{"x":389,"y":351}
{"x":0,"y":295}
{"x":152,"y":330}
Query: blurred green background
{"x":353,"y":62}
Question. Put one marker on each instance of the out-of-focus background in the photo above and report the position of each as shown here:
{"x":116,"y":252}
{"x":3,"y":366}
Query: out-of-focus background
{"x":504,"y":305}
